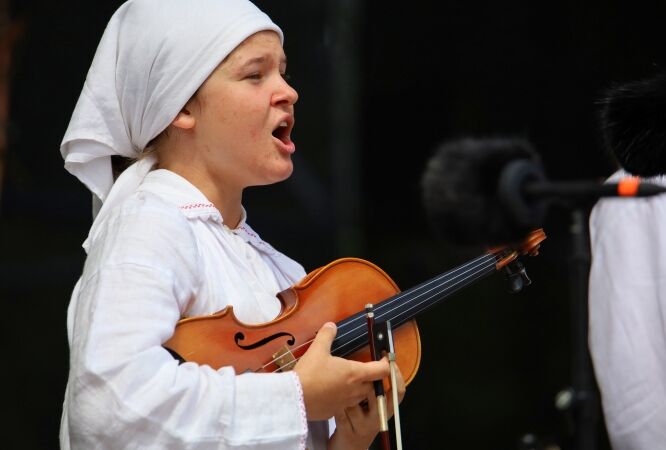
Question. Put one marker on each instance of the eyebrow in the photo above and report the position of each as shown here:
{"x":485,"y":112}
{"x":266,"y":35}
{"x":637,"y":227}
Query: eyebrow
{"x":260,"y":60}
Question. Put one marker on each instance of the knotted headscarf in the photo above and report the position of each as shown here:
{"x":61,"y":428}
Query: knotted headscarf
{"x":153,"y":56}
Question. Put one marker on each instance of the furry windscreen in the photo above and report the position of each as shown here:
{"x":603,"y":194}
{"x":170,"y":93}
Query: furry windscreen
{"x":460,"y":189}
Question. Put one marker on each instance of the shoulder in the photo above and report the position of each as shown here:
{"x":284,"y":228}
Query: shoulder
{"x":143,"y":212}
{"x":629,"y":223}
{"x":155,"y":219}
{"x":144,"y":230}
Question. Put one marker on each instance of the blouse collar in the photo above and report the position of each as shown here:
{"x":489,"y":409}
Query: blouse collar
{"x":194,"y":205}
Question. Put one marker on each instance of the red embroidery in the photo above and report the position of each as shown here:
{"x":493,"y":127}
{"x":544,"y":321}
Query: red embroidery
{"x":248,"y":231}
{"x":197,"y":206}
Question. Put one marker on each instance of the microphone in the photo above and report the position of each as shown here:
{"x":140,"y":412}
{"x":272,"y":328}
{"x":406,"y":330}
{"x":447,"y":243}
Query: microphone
{"x":634,"y":125}
{"x":494,"y":190}
{"x":460,"y":189}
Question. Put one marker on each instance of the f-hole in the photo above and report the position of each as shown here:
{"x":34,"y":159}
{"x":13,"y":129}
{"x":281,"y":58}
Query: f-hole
{"x":238,"y":337}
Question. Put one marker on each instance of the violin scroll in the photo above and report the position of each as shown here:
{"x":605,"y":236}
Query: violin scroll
{"x":530,"y":245}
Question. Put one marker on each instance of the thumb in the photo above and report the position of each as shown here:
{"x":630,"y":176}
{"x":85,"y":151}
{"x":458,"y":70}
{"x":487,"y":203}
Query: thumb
{"x":325,"y":336}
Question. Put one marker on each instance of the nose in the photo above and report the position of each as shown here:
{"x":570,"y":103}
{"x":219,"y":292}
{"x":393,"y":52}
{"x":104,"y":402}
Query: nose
{"x":284,"y":94}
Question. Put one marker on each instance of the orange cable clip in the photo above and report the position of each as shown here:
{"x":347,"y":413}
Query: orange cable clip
{"x":628,"y":187}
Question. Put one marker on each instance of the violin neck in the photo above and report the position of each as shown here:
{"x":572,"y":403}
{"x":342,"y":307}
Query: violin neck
{"x":402,"y":307}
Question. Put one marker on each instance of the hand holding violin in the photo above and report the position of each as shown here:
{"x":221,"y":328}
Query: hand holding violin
{"x":342,"y":388}
{"x":331,"y":384}
{"x":358,"y":426}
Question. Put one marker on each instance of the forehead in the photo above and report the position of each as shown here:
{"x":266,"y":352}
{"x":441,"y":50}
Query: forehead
{"x":262,"y":44}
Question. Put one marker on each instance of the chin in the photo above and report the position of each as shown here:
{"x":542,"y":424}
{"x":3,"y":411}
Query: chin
{"x":286,"y":174}
{"x":277,"y":176}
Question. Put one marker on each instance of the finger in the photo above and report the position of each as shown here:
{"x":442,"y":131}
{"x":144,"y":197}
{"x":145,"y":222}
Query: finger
{"x":343,"y":422}
{"x":355,"y":414}
{"x":368,"y":397}
{"x":373,"y":370}
{"x":361,"y":393}
{"x":372,"y":404}
{"x":325,"y":337}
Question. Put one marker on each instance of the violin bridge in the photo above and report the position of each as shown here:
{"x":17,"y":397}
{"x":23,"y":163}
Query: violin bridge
{"x":284,"y":359}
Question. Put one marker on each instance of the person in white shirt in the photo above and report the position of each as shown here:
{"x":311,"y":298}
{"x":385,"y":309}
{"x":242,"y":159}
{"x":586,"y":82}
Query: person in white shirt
{"x":196,"y":92}
{"x":628,"y":317}
{"x":627,"y":286}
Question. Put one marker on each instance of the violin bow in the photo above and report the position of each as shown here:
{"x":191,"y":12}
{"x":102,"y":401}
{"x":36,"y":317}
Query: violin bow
{"x":394,"y":384}
{"x":381,"y":341}
{"x":378,"y":384}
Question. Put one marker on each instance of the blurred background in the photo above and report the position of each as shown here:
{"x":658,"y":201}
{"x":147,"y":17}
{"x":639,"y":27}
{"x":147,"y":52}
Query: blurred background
{"x":381,"y":85}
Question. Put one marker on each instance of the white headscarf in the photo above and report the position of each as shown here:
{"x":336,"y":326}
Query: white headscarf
{"x":152,"y":58}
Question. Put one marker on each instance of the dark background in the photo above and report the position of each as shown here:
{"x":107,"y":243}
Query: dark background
{"x":381,"y":84}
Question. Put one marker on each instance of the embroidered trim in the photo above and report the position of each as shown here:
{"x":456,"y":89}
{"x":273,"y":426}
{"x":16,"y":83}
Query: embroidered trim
{"x":197,"y":206}
{"x":304,"y":415}
{"x":253,"y":237}
{"x":248,"y":232}
{"x":203,"y":211}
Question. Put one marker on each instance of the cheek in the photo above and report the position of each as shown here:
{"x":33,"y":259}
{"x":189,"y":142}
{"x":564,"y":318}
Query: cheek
{"x":240,"y":118}
{"x":254,"y":121}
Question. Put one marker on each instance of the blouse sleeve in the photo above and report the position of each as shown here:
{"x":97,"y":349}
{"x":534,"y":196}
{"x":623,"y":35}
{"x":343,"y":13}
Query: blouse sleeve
{"x":125,"y":390}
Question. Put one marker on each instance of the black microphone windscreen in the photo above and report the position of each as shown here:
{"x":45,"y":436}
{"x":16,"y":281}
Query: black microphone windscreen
{"x":633,"y":120}
{"x":460,"y":190}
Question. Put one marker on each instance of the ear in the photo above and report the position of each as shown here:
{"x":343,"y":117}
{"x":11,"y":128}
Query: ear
{"x":184,"y":120}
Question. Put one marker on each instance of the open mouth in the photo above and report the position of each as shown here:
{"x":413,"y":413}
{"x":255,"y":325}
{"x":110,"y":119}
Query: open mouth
{"x":282,"y":132}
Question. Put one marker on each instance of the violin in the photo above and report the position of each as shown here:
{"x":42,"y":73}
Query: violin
{"x":338,"y":292}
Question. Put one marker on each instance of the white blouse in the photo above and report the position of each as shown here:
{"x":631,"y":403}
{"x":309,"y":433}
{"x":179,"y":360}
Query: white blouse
{"x":165,"y":253}
{"x":627,"y":301}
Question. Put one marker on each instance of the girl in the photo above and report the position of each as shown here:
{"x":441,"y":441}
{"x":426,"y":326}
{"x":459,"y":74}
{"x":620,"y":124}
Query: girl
{"x":194,"y":90}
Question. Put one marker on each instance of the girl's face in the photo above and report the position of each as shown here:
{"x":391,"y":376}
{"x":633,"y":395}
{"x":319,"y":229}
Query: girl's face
{"x":244,"y":114}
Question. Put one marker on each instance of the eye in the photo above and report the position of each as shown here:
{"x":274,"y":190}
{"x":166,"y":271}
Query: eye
{"x":254,"y":76}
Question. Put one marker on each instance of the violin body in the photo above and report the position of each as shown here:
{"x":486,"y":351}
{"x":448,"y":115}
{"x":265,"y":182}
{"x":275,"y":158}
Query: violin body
{"x":331,"y":293}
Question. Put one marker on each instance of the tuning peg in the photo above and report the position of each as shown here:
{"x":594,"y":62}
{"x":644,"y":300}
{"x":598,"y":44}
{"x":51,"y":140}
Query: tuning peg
{"x":516,"y":276}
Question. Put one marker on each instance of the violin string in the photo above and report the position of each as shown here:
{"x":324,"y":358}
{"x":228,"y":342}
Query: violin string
{"x":381,"y":309}
{"x":402,"y":313}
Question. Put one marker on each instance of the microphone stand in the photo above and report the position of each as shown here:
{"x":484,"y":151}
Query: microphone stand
{"x":582,"y":398}
{"x":579,"y":401}
{"x":525,"y":192}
